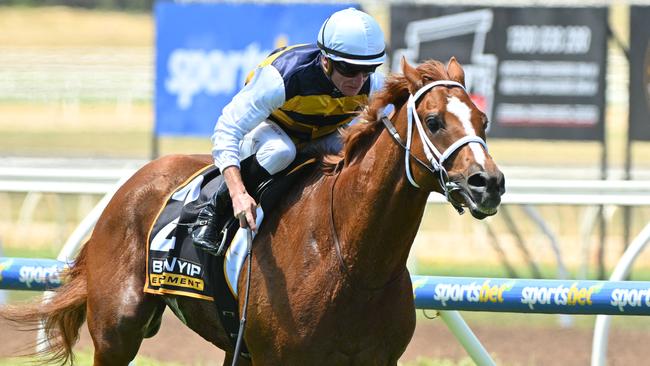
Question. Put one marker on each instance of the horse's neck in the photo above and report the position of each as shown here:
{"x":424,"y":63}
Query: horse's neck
{"x":378,"y":213}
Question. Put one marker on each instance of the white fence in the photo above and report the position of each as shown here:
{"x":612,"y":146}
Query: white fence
{"x":72,"y":74}
{"x":519,"y":191}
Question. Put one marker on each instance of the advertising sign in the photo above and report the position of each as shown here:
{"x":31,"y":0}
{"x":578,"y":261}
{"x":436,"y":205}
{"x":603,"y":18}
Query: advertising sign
{"x":538,"y":73}
{"x":205,"y":50}
{"x":531,"y":296}
{"x":639,"y":73}
{"x":36,"y":274}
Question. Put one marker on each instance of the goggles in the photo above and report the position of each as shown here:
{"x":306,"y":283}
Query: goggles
{"x":351,"y":70}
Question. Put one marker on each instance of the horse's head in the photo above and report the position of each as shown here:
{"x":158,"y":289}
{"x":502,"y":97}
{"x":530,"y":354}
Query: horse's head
{"x":447,"y":132}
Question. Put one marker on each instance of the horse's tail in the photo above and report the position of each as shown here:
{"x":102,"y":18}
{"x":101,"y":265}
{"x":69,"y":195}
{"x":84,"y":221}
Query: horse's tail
{"x":60,"y":315}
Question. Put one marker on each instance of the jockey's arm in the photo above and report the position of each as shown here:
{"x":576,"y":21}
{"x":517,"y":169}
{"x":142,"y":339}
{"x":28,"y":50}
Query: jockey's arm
{"x":242,"y":203}
{"x":252,"y":105}
{"x":376,"y":82}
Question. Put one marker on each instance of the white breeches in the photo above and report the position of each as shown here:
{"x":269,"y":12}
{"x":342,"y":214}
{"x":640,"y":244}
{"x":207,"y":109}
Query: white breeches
{"x":275,"y":150}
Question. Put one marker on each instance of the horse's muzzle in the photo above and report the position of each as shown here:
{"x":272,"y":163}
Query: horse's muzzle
{"x":481,"y":192}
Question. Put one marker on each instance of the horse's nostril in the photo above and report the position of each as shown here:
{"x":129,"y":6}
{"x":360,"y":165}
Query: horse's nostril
{"x":477,"y":180}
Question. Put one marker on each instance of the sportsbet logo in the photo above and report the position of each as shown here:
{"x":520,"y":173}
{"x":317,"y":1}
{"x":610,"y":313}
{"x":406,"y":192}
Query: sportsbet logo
{"x":4,"y":265}
{"x":193,"y":71}
{"x":560,"y":295}
{"x":472,"y":292}
{"x":39,"y":275}
{"x":630,"y":297}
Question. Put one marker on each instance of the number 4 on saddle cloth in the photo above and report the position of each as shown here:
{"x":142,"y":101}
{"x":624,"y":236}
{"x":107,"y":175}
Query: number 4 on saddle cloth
{"x":176,"y":266}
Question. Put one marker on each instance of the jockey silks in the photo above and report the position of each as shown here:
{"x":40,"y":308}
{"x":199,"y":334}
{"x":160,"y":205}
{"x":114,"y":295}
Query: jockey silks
{"x":313,"y":106}
{"x":290,"y":89}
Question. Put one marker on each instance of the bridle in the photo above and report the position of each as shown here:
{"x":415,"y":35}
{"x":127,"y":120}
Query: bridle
{"x":435,"y":166}
{"x":435,"y":158}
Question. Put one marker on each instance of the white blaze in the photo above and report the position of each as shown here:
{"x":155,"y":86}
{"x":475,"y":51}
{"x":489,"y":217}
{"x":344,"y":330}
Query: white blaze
{"x":463,"y":113}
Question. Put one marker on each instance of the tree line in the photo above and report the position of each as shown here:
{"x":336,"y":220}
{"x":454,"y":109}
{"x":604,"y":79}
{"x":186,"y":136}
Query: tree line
{"x":134,"y":5}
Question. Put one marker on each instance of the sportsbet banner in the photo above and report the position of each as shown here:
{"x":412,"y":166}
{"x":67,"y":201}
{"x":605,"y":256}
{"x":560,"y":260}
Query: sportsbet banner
{"x":34,"y":274}
{"x":538,"y":73}
{"x":532,"y":296}
{"x":205,"y":50}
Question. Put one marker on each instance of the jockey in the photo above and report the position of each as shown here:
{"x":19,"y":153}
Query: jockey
{"x":295,"y":100}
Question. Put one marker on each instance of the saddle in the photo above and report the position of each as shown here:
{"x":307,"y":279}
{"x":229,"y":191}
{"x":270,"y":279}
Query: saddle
{"x":266,"y":194}
{"x":175,"y":266}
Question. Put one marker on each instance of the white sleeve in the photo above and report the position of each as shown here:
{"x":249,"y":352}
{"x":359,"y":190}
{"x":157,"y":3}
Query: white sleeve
{"x":376,"y":86}
{"x":376,"y":82}
{"x":252,"y":105}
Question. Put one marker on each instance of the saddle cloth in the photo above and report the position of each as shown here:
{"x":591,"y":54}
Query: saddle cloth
{"x":175,"y":266}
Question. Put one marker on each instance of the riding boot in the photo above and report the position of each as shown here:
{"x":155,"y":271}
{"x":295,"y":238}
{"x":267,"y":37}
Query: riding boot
{"x":256,"y":178}
{"x":206,"y":234}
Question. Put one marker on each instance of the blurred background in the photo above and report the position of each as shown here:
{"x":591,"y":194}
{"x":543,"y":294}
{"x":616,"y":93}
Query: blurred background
{"x":90,"y":90}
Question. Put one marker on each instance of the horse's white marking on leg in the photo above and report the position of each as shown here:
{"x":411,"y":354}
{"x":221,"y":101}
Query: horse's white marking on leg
{"x":464,"y":113}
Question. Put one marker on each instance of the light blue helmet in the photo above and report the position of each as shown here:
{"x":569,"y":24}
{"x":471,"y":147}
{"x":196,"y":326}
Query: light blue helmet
{"x":352,"y":36}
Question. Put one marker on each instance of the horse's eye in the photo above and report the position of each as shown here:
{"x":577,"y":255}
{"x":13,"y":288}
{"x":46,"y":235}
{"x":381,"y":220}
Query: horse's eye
{"x":434,"y":122}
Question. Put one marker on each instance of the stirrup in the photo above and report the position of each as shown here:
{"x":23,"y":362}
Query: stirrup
{"x":206,"y":247}
{"x":224,"y":238}
{"x":201,"y":236}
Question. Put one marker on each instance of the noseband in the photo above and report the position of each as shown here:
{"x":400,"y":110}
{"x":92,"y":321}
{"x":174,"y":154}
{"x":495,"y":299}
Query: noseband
{"x":435,"y":158}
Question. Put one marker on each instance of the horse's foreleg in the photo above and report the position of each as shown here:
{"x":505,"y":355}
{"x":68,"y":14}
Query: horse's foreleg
{"x":240,"y":362}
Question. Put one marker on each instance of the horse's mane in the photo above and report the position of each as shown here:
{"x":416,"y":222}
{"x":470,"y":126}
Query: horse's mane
{"x":357,"y":137}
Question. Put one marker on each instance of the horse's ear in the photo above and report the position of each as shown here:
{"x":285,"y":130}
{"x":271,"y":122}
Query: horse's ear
{"x":412,"y":76}
{"x":455,"y":71}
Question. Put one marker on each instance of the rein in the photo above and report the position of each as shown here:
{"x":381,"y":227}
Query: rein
{"x":436,"y":159}
{"x":435,"y":167}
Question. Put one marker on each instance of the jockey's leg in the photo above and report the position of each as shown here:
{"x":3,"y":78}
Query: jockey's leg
{"x":272,"y":146}
{"x":330,"y":144}
{"x":264,"y":151}
{"x":206,"y":232}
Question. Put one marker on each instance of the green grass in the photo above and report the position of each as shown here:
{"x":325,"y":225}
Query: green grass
{"x":86,"y":143}
{"x":98,"y":129}
{"x":495,"y":270}
{"x":30,"y":252}
{"x":85,"y":357}
{"x":422,"y":361}
{"x":57,"y":26}
{"x":497,"y":319}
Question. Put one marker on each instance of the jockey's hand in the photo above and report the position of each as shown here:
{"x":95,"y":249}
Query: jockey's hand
{"x":244,"y":207}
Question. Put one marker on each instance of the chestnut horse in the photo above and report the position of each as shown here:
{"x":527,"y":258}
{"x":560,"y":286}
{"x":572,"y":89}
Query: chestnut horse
{"x":329,"y":281}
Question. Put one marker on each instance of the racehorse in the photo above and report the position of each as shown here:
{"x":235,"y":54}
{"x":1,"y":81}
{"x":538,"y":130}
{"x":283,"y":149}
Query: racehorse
{"x":329,"y":282}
